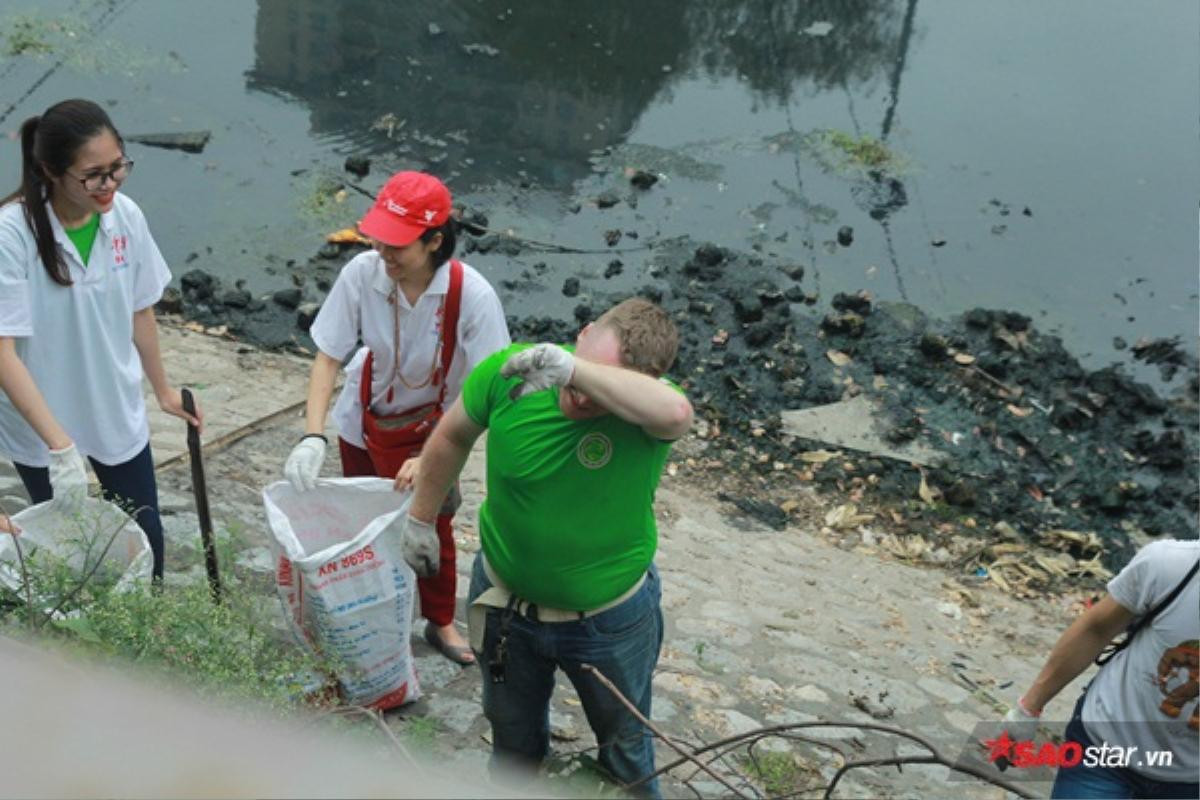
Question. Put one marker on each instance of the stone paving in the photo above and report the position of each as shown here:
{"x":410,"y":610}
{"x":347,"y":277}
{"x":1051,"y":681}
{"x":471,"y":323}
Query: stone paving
{"x":764,"y":627}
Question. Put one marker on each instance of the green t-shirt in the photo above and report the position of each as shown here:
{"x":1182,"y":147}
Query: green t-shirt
{"x":568,"y":521}
{"x":84,"y":236}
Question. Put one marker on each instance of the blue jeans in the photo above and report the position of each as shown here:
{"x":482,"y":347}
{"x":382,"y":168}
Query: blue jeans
{"x":622,"y":643}
{"x":131,"y":485}
{"x":1109,"y":783}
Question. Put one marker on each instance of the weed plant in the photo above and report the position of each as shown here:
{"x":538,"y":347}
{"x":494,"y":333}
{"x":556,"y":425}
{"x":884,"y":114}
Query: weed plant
{"x":76,"y":592}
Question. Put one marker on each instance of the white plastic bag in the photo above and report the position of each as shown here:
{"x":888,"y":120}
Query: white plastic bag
{"x":346,"y":588}
{"x":79,"y":538}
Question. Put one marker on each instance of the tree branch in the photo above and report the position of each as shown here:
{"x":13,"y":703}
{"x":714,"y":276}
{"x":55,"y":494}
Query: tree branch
{"x":607,"y":684}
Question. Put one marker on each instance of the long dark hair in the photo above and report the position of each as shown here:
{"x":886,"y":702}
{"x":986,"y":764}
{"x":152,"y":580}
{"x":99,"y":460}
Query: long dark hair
{"x":49,"y":144}
{"x":449,"y":232}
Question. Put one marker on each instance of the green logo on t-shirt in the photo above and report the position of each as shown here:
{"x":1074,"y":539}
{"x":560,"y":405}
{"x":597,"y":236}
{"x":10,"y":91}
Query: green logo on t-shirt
{"x":594,"y":450}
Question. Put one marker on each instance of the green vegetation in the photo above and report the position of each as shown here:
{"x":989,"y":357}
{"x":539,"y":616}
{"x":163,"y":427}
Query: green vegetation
{"x":321,"y":200}
{"x":38,"y":35}
{"x":26,"y":35}
{"x":579,"y":775}
{"x":77,"y":595}
{"x":841,"y":152}
{"x":779,"y":773}
{"x":420,"y":732}
{"x":865,"y":151}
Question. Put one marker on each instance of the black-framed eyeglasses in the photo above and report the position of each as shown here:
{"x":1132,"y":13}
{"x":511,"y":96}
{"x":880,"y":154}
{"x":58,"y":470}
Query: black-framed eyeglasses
{"x":94,"y":181}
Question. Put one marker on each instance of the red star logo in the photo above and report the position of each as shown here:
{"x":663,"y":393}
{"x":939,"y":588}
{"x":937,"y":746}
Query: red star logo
{"x":1000,"y":747}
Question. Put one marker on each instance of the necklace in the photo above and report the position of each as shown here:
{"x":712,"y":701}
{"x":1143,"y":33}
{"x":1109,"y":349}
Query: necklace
{"x":397,"y":374}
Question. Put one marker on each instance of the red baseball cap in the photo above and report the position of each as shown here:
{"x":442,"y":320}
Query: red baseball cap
{"x":409,"y":204}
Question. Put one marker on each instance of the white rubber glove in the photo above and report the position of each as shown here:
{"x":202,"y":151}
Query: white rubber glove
{"x":419,"y":545}
{"x":541,"y":366}
{"x":68,"y":479}
{"x":1019,"y":723}
{"x":304,"y":463}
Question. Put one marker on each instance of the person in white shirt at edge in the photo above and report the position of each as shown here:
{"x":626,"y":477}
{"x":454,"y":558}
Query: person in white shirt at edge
{"x":392,"y":299}
{"x":1145,"y":696}
{"x":79,"y":277}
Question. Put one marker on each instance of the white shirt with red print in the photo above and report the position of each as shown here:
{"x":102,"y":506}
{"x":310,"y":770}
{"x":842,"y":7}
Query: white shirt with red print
{"x":77,"y":341}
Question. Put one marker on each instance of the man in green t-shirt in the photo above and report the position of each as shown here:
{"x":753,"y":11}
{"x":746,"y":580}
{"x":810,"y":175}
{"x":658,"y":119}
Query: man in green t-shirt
{"x":577,"y":440}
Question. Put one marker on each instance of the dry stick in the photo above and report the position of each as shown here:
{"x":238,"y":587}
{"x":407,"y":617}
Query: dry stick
{"x":777,"y":729}
{"x":999,"y":384}
{"x":29,"y":609}
{"x":782,"y":735}
{"x":547,"y":246}
{"x":607,"y":684}
{"x":236,"y":435}
{"x":375,"y":715}
{"x":720,"y":756}
{"x":346,"y":711}
{"x":934,"y":758}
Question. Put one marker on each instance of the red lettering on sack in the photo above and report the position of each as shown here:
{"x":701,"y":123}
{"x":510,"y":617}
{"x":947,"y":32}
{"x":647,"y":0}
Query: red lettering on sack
{"x":358,"y":557}
{"x":325,"y":569}
{"x":283,"y":575}
{"x":392,"y":698}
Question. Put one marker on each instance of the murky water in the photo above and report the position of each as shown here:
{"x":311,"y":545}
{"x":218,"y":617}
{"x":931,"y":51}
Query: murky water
{"x":1042,"y":157}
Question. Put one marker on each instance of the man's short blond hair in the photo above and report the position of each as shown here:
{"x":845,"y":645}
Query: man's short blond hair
{"x":649,"y":339}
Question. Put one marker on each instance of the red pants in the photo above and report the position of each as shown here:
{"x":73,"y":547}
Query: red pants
{"x":438,"y":592}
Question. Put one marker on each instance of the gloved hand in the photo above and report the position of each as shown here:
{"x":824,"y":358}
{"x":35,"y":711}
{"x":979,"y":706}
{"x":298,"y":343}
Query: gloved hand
{"x":419,"y":545}
{"x":304,"y":463}
{"x":68,"y":479}
{"x":1019,"y":723}
{"x":541,"y":366}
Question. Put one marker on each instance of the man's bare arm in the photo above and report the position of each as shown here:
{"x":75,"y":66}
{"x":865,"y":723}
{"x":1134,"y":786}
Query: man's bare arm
{"x":1076,"y":649}
{"x":442,"y":459}
{"x":651,"y":404}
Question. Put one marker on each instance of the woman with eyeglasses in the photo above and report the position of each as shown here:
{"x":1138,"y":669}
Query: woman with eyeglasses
{"x":79,"y":277}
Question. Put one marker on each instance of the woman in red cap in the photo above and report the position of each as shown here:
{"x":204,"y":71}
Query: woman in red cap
{"x":424,"y":320}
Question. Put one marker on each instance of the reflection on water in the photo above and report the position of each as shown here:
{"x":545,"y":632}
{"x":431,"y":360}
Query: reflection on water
{"x":487,"y":94}
{"x":776,"y":46}
{"x":1025,"y":105}
{"x":476,"y":90}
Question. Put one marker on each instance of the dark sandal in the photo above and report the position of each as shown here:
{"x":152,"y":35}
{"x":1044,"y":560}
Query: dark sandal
{"x":459,"y":655}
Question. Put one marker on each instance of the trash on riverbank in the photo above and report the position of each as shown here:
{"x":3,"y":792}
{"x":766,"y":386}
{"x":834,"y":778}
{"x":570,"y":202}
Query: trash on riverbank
{"x":189,"y":142}
{"x":1006,"y":424}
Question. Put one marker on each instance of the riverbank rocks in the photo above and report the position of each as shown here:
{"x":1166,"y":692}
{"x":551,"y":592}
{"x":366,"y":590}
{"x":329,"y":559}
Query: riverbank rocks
{"x":198,"y":286}
{"x":1032,"y":438}
{"x":359,"y":166}
{"x":288,"y":298}
{"x":306,"y":314}
{"x":845,"y":324}
{"x":641,"y":179}
{"x":171,"y":301}
{"x":706,"y":262}
{"x":236,"y":298}
{"x":858,"y":303}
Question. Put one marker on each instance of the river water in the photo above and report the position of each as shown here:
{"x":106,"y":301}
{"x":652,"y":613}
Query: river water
{"x":1041,"y":156}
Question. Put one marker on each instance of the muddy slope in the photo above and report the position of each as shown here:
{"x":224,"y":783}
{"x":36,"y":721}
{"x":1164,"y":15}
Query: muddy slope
{"x":1030,"y":436}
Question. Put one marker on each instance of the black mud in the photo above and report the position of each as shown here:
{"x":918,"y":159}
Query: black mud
{"x":1032,"y":438}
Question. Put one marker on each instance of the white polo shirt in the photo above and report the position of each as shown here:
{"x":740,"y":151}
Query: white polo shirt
{"x":357,"y":308}
{"x":77,"y":341}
